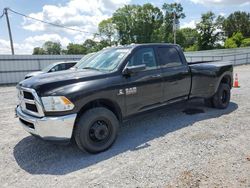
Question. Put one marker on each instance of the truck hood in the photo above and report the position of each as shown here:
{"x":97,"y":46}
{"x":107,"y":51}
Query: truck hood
{"x":49,"y":81}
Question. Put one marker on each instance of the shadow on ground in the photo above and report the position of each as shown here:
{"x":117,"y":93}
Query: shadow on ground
{"x":38,"y":157}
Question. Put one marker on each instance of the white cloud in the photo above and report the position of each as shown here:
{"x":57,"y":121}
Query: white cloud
{"x":22,"y":48}
{"x":28,"y":44}
{"x":78,"y":14}
{"x":82,"y":15}
{"x":220,"y":2}
{"x":40,"y":39}
{"x":190,"y":24}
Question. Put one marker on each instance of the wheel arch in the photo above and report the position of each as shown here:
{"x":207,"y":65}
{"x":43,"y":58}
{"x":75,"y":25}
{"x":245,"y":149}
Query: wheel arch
{"x":107,"y":103}
{"x":226,"y":78}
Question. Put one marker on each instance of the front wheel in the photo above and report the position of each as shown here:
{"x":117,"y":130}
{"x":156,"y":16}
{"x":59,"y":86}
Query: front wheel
{"x":96,"y":130}
{"x":222,"y":97}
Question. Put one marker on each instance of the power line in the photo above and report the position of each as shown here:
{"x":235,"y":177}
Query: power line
{"x":49,"y":23}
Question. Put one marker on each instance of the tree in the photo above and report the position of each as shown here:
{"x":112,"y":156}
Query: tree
{"x":52,"y":48}
{"x":149,"y":19}
{"x":234,"y":41}
{"x":245,"y":42}
{"x":186,"y":37}
{"x":169,"y":9}
{"x":208,"y":31}
{"x":38,"y":51}
{"x":237,"y":22}
{"x":107,"y":30}
{"x":76,"y":49}
{"x":137,"y":24}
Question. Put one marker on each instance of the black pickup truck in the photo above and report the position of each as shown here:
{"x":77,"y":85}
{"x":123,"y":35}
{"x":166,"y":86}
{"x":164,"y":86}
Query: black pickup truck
{"x":88,"y":104}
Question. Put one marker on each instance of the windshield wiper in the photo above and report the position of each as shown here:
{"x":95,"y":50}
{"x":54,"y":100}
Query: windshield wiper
{"x":92,"y":68}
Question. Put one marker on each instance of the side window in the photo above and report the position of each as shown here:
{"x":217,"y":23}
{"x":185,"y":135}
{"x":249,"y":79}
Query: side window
{"x":62,"y":66}
{"x":58,"y":67}
{"x":143,"y":56}
{"x":69,"y":65}
{"x":169,"y":57}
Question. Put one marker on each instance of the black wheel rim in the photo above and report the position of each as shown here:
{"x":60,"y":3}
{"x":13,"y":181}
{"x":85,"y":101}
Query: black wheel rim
{"x":224,"y":97}
{"x":99,"y":132}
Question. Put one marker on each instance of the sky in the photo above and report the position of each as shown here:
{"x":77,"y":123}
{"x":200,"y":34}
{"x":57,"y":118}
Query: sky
{"x":85,"y":15}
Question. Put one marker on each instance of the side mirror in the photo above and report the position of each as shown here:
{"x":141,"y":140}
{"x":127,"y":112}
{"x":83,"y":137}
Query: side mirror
{"x":133,"y":69}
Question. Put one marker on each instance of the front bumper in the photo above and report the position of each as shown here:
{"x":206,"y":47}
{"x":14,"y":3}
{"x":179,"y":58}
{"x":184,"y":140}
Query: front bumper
{"x":48,"y":128}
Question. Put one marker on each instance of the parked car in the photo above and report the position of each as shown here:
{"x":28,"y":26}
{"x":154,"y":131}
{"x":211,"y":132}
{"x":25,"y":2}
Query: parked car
{"x":58,"y":66}
{"x":90,"y":103}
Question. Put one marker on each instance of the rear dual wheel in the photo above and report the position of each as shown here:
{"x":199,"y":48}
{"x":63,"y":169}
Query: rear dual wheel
{"x":221,"y":98}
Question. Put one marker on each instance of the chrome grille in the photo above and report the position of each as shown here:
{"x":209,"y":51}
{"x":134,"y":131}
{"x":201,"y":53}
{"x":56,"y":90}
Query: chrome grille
{"x":29,"y":102}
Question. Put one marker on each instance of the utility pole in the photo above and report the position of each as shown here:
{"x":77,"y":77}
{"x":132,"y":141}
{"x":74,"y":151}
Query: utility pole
{"x":174,"y":27}
{"x":9,"y":30}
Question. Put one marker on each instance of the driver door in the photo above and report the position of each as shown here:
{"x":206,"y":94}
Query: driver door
{"x":144,"y":89}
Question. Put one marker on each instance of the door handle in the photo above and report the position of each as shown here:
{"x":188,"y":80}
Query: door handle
{"x":156,"y":76}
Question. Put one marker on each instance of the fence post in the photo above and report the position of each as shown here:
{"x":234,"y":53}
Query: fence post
{"x":234,"y":59}
{"x":247,"y":58}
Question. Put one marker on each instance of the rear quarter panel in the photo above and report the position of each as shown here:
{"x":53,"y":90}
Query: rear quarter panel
{"x":206,"y":78}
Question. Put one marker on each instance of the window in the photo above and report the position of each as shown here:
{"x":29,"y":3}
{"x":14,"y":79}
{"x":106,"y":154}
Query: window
{"x":169,"y":57}
{"x":105,"y":60}
{"x":143,"y":56}
{"x":58,"y":67}
{"x":69,"y":65}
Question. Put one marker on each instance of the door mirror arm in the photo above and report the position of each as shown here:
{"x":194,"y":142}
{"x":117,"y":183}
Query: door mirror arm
{"x":128,"y":71}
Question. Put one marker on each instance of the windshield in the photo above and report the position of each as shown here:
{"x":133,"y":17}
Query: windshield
{"x":85,"y":58}
{"x":47,"y":69}
{"x":105,"y":60}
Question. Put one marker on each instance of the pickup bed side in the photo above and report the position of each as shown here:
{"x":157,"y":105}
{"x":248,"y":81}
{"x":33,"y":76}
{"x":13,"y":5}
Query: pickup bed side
{"x":206,"y":78}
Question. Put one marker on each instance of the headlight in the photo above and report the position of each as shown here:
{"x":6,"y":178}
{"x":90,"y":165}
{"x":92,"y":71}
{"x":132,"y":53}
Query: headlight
{"x":57,"y":103}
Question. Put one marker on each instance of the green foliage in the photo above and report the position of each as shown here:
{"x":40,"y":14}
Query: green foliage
{"x":230,"y":43}
{"x":238,"y":37}
{"x":49,"y":48}
{"x":234,"y":41}
{"x":194,"y":47}
{"x":190,"y":37}
{"x":38,"y":51}
{"x":107,"y":30}
{"x":208,"y":31}
{"x":76,"y":49}
{"x":237,"y":22}
{"x":245,"y":42}
{"x":52,"y":48}
{"x":137,"y":24}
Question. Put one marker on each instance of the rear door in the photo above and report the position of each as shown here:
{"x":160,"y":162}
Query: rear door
{"x":175,"y":73}
{"x":144,"y":89}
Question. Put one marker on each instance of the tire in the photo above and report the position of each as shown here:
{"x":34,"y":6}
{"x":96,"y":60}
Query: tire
{"x":222,"y":97}
{"x":209,"y":102}
{"x":96,"y":130}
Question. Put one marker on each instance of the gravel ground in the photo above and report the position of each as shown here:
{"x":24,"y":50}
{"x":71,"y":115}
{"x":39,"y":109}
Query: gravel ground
{"x":166,"y":148}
